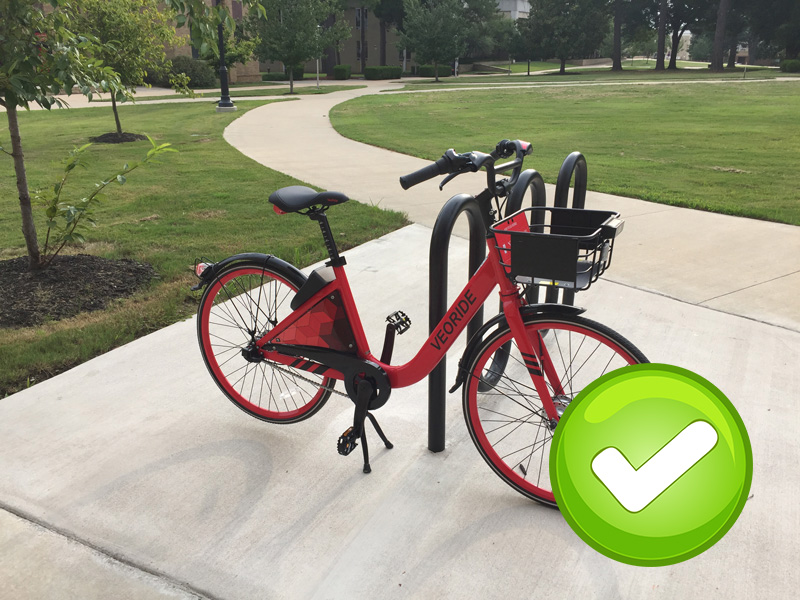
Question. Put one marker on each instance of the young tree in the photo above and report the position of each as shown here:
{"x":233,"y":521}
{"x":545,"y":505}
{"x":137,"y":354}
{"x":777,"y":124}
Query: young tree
{"x":684,"y":15}
{"x":568,"y":29}
{"x":41,"y":57}
{"x":134,"y":34}
{"x":294,"y":31}
{"x":436,"y":31}
{"x":526,"y":46}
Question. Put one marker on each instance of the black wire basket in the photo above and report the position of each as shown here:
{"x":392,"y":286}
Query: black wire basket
{"x":560,"y":247}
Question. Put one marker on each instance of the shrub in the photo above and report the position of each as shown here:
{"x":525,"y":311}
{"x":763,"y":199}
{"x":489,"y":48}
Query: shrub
{"x":790,"y":66}
{"x":341,"y":72}
{"x":200,"y":74}
{"x":382,"y":72}
{"x":427,"y":71}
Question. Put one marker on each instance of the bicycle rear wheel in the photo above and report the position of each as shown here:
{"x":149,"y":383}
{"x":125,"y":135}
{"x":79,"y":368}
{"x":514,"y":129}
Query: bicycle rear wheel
{"x":503,"y":412}
{"x":239,"y":307}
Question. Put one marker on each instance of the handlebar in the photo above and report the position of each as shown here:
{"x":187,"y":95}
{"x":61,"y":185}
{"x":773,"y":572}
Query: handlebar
{"x":454,"y":164}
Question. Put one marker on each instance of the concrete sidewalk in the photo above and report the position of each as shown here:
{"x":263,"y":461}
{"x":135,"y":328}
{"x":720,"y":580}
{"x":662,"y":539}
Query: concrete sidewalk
{"x":151,"y":484}
{"x":131,"y":476}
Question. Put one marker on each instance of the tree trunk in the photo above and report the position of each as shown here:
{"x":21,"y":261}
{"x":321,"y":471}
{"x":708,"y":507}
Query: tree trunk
{"x":662,"y":34}
{"x":752,"y":49}
{"x":616,"y":54}
{"x":676,"y":42}
{"x":719,"y":36}
{"x":363,"y":38}
{"x":28,"y":225}
{"x":116,"y":114}
{"x":383,"y":43}
{"x":436,"y":71}
{"x":732,"y":54}
{"x":291,"y":80}
{"x":563,"y":70}
{"x":529,"y":67}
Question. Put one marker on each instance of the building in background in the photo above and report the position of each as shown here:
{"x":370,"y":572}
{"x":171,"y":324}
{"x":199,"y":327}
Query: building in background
{"x":514,"y":9}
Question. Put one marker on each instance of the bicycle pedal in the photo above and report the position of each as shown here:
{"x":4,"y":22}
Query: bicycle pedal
{"x":400,"y":321}
{"x":347,"y":442}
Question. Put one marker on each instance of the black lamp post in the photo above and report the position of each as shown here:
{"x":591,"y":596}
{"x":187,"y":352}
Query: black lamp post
{"x":225,"y":103}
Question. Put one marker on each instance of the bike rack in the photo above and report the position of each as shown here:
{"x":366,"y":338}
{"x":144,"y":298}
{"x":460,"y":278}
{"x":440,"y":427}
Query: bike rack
{"x":575,"y":164}
{"x":437,"y":290}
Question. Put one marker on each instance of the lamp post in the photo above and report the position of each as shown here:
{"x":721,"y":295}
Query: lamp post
{"x":225,"y":104}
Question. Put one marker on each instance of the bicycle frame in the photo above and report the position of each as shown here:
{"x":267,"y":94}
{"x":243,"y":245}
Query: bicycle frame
{"x":460,"y":313}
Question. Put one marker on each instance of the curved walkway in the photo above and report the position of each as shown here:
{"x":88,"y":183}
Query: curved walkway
{"x":740,"y":266}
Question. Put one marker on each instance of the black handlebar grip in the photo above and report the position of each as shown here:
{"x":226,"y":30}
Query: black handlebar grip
{"x":440,"y":167}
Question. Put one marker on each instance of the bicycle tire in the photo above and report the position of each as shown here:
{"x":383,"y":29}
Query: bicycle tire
{"x":242,"y":303}
{"x":507,"y":423}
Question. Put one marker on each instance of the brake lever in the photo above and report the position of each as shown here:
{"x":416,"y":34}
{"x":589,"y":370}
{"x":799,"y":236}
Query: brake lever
{"x":448,"y":179}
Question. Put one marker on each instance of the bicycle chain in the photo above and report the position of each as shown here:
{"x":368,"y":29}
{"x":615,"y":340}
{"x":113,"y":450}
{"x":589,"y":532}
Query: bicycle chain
{"x":275,"y":365}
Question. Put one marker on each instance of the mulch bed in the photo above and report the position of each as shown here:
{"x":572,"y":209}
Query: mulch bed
{"x":70,"y":285}
{"x":115,"y":138}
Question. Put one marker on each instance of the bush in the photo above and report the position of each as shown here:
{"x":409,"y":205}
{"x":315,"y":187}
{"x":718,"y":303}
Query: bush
{"x":200,"y":74}
{"x":341,"y":72}
{"x":427,"y":71}
{"x":790,"y":66}
{"x":382,"y":72}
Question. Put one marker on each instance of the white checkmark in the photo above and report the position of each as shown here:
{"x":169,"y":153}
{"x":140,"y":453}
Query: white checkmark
{"x":633,"y":488}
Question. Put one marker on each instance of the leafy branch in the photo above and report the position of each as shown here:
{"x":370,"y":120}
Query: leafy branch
{"x":65,"y":221}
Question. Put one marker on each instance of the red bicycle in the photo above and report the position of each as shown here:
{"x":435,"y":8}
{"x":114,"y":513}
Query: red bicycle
{"x":276,"y":342}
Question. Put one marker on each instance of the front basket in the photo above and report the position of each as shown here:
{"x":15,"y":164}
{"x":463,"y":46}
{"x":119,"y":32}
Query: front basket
{"x":564,"y":247}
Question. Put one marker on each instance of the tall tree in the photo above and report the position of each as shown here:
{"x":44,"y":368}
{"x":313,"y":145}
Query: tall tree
{"x":436,"y":31}
{"x":296,"y":31}
{"x":134,"y":34}
{"x":568,"y":29}
{"x":389,"y":13}
{"x":719,"y":36}
{"x":775,"y":22}
{"x":683,"y":16}
{"x":40,"y":56}
{"x":616,"y":54}
{"x":662,"y":34}
{"x":483,"y":20}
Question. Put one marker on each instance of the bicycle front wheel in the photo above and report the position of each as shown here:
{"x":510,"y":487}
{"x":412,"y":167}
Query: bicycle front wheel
{"x":503,"y":411}
{"x":239,"y":307}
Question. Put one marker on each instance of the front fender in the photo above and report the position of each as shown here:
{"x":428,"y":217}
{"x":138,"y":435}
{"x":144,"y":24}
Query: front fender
{"x":499,"y":320}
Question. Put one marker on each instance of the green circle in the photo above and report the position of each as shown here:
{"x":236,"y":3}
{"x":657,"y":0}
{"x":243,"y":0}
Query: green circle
{"x":634,"y":413}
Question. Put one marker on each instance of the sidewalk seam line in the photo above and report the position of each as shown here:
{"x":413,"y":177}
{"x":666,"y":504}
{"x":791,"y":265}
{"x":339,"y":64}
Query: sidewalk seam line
{"x":751,"y":286}
{"x":682,"y":301}
{"x":116,"y":557}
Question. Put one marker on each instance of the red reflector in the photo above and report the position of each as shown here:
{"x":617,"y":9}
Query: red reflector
{"x":201,"y":267}
{"x":277,"y":210}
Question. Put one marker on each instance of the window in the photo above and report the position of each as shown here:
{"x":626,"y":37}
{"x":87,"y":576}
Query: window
{"x":361,"y":14}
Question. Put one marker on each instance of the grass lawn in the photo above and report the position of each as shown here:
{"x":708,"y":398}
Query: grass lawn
{"x":207,"y":200}
{"x":301,"y":91}
{"x":602,"y":74}
{"x":725,"y":147}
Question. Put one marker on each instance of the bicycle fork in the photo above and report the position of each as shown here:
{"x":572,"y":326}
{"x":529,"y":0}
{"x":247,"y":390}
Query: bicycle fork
{"x":537,"y":359}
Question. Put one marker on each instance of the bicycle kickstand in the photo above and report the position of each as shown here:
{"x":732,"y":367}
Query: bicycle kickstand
{"x":347,"y":441}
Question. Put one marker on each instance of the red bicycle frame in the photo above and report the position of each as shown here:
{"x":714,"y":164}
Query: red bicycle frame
{"x":460,"y":313}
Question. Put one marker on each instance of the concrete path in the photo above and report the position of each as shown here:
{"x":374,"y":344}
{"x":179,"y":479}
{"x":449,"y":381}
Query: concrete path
{"x":737,"y":265}
{"x":131,"y":476}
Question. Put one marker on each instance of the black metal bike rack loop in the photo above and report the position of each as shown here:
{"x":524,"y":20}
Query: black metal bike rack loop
{"x":437,"y":282}
{"x":574,"y":164}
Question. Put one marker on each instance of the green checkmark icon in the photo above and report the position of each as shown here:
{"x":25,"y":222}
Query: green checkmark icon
{"x":651,"y":465}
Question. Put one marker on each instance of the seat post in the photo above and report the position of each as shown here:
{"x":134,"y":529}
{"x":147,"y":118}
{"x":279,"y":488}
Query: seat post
{"x":330,"y":243}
